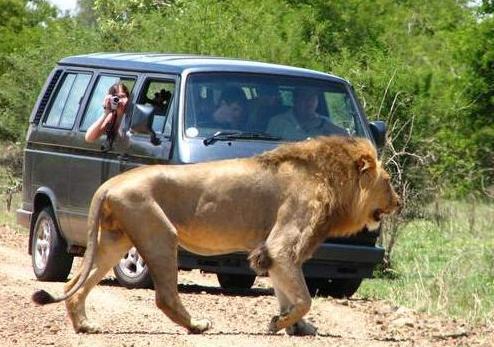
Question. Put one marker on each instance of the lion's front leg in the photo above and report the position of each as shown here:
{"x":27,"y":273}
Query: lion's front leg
{"x":300,"y":328}
{"x":293,"y":295}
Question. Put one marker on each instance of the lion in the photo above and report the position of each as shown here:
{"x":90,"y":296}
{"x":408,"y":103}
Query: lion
{"x":278,"y":206}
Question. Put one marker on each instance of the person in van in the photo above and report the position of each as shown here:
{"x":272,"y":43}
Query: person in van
{"x":302,"y":121}
{"x":114,"y":105}
{"x":231,"y":110}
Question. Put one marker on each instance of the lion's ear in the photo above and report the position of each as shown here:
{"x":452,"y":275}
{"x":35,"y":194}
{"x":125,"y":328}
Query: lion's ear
{"x":364,"y":163}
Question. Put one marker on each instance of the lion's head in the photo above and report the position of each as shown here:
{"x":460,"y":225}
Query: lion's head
{"x":357,"y":190}
{"x":376,"y":194}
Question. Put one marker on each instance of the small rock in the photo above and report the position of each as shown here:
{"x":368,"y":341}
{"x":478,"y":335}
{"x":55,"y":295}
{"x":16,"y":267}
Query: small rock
{"x":402,"y":322}
{"x":54,"y":329}
{"x":402,"y":311}
{"x":385,"y":310}
{"x":343,"y":302}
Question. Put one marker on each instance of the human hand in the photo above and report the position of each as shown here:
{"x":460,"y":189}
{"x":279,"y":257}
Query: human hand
{"x":122,"y":103}
{"x":108,"y":105}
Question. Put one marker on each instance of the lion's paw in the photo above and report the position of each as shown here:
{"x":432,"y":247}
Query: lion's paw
{"x":301,"y":328}
{"x":273,"y":325}
{"x":87,"y":328}
{"x":199,"y":325}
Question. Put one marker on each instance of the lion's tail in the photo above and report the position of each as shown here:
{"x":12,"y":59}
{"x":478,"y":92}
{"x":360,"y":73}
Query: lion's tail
{"x":42,"y":297}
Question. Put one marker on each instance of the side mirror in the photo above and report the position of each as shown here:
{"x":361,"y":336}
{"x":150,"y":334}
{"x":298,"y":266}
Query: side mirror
{"x":378,"y":130}
{"x":142,"y":122}
{"x":141,"y":118}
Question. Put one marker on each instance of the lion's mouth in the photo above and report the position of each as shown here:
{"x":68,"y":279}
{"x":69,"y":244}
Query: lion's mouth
{"x":378,"y":215}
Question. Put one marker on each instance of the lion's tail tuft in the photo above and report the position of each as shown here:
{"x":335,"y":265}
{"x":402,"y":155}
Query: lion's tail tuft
{"x":42,"y":297}
{"x":259,"y":259}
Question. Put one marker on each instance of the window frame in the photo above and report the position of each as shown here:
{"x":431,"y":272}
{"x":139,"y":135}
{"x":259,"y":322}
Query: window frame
{"x":96,"y":78}
{"x":172,"y":108}
{"x":55,"y":93}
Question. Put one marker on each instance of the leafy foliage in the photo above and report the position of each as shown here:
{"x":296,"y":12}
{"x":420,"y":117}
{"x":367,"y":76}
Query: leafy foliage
{"x":425,"y":67}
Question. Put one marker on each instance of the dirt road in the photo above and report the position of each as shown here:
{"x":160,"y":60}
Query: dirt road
{"x":129,"y":317}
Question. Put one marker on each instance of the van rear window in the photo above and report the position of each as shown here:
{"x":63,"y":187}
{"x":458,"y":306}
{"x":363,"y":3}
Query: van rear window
{"x":66,"y":103}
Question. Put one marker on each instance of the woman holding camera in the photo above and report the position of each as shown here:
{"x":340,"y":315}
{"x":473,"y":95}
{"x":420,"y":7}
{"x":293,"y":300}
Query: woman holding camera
{"x":114,"y":108}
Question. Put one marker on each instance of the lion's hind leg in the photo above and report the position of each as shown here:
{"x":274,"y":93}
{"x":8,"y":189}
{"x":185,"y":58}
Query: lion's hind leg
{"x":112,"y":245}
{"x":157,"y":243}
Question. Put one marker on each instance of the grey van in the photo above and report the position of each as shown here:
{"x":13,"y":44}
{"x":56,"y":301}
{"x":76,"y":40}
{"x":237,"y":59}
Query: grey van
{"x":62,"y":171}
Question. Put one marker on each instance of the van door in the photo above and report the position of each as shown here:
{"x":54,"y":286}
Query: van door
{"x":159,"y":92}
{"x":90,"y":166}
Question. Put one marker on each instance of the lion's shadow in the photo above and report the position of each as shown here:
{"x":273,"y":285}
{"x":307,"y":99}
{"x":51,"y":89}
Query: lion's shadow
{"x":202,"y":289}
{"x":198,"y":289}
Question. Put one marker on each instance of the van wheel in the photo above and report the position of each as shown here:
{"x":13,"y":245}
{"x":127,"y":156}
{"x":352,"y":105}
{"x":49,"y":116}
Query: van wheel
{"x":50,"y":259}
{"x":132,"y":272}
{"x":338,"y":288}
{"x":235,"y":281}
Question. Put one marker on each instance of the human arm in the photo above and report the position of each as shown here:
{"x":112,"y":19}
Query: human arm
{"x":98,"y":128}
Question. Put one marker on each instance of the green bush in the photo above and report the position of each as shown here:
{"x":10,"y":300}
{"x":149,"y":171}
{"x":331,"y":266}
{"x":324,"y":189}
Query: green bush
{"x":424,"y":67}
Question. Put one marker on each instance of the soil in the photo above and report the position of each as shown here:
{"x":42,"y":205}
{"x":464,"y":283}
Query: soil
{"x":240,"y":318}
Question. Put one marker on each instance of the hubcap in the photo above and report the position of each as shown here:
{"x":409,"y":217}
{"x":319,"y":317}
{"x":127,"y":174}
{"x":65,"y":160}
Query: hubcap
{"x":42,"y":245}
{"x":132,"y":264}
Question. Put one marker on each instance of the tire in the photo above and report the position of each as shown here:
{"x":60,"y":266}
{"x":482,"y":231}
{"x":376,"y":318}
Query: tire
{"x":49,"y":257}
{"x":235,"y":281}
{"x":338,"y":288}
{"x":132,"y":272}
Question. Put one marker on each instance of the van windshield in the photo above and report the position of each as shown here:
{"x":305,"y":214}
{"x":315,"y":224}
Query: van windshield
{"x":281,"y":108}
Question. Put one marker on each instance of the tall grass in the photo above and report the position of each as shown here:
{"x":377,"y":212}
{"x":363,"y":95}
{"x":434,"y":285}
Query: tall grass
{"x":443,"y":263}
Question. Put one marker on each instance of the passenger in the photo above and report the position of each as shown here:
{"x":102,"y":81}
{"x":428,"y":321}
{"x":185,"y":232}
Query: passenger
{"x":302,"y":121}
{"x":112,"y":115}
{"x":231,"y":110}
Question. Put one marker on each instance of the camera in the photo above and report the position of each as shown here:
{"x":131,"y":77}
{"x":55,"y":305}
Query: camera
{"x":114,"y":100}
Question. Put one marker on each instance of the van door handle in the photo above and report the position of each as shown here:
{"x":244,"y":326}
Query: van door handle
{"x":123,"y":157}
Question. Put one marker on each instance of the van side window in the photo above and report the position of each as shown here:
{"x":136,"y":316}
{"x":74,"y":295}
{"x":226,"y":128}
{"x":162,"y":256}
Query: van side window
{"x":67,"y":101}
{"x":95,"y":106}
{"x":159,"y":94}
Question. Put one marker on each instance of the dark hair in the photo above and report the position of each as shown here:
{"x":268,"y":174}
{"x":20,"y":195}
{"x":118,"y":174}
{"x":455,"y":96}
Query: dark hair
{"x":114,"y":89}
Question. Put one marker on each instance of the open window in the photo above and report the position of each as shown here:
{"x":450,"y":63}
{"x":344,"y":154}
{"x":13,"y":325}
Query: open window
{"x":158,"y":94}
{"x":94,"y":110}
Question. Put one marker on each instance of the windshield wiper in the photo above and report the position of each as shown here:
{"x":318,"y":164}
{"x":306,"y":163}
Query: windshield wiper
{"x":238,"y":135}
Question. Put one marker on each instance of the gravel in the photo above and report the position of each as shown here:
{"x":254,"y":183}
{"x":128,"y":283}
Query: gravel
{"x":240,"y":318}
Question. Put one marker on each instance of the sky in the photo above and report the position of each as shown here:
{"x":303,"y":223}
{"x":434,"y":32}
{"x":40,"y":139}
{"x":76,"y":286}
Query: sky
{"x":64,"y":5}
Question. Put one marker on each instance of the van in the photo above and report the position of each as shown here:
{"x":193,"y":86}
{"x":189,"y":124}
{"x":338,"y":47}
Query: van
{"x":62,"y":171}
